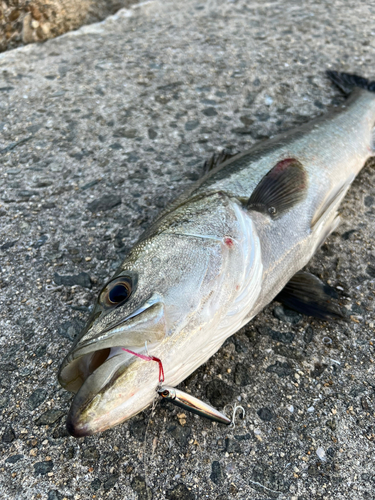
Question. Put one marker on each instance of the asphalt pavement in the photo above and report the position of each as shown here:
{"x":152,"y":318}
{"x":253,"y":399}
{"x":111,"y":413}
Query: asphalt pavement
{"x":99,"y":130}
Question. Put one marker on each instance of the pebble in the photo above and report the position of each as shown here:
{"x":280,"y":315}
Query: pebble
{"x":308,"y":335}
{"x":137,"y":427}
{"x":265,"y":414}
{"x":54,"y":495}
{"x":13,"y":459}
{"x":4,"y":400}
{"x":242,"y":375}
{"x":91,"y":453}
{"x":285,"y":337}
{"x":179,"y":492}
{"x":152,"y":134}
{"x":110,"y":482}
{"x":8,"y":436}
{"x":181,"y":434}
{"x":321,"y":454}
{"x":209,"y":111}
{"x":49,"y":417}
{"x":106,"y":202}
{"x":96,"y":484}
{"x":217,"y":475}
{"x":139,"y":486}
{"x":70,"y":329}
{"x":232,"y":445}
{"x":281,"y":369}
{"x":43,"y":468}
{"x":287,"y":315}
{"x":81,"y":279}
{"x":268,"y":100}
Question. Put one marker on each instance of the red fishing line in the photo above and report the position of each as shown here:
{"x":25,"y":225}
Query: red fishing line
{"x":149,"y":358}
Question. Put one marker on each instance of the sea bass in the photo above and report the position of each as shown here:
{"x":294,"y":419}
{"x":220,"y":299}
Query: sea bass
{"x":215,"y":258}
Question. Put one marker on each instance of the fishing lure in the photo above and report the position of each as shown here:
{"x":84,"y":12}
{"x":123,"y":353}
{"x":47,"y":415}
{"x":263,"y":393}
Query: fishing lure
{"x":192,"y":404}
{"x":180,"y":398}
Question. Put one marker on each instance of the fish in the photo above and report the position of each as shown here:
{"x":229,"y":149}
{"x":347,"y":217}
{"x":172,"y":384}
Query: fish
{"x":214,"y":258}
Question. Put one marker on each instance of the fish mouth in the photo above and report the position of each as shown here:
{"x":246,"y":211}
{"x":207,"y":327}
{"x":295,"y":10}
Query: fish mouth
{"x":98,"y":372}
{"x":93,"y":375}
{"x":113,"y":386}
{"x":74,"y":372}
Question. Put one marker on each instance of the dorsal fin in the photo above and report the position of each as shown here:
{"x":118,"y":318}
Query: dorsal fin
{"x":347,"y":81}
{"x":283,"y":187}
{"x":216,"y":160}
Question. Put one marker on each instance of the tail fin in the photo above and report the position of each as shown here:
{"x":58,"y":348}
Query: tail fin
{"x":347,"y":82}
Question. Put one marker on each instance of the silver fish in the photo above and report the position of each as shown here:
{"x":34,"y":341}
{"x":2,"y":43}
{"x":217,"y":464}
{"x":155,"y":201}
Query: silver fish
{"x":192,"y":404}
{"x":215,"y":258}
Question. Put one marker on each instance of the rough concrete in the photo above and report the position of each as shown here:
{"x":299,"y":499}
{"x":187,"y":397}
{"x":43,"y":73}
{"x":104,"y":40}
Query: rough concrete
{"x":26,"y":21}
{"x":119,"y":117}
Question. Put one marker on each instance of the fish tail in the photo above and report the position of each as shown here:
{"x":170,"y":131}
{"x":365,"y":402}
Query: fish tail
{"x":347,"y":81}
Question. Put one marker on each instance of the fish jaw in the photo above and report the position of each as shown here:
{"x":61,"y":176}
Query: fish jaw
{"x":133,"y":387}
{"x":124,"y":397}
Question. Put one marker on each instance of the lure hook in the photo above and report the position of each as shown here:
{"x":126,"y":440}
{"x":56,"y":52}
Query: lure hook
{"x":235,"y":408}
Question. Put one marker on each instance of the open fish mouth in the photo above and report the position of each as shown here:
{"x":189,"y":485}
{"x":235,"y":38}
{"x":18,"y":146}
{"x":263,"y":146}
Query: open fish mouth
{"x":75,"y":373}
{"x":107,"y":392}
{"x":145,"y":325}
{"x":91,"y":376}
{"x":94,"y":367}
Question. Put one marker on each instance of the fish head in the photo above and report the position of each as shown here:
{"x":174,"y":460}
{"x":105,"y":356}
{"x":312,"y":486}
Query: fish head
{"x":172,"y":285}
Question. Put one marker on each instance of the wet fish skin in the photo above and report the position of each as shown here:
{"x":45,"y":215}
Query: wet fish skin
{"x":210,"y":262}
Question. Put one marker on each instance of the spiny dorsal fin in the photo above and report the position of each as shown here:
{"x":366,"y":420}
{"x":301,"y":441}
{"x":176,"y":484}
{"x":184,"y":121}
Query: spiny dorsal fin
{"x":216,"y":160}
{"x":307,"y":294}
{"x":283,"y":187}
{"x":347,"y":82}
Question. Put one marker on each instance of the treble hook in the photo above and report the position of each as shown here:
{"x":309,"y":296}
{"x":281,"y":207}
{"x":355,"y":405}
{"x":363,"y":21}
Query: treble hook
{"x":235,"y":408}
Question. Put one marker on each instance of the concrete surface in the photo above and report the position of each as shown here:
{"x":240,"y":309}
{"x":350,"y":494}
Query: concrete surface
{"x":100,"y":129}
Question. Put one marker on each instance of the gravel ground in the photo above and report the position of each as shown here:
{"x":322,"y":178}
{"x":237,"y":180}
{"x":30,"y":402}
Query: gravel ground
{"x":99,"y":130}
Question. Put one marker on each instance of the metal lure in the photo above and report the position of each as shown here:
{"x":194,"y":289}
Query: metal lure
{"x":192,"y":404}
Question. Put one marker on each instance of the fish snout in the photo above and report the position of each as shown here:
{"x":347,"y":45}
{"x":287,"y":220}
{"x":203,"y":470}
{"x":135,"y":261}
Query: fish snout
{"x":126,"y":393}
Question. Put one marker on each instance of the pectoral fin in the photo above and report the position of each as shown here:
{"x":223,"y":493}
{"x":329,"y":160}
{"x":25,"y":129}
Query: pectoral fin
{"x":282,"y":188}
{"x":307,"y":294}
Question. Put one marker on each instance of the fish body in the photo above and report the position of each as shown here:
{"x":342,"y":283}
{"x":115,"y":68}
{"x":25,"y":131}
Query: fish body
{"x":212,"y":260}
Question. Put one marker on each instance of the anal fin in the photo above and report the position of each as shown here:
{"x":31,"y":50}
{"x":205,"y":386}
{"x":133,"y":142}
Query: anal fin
{"x":307,"y":294}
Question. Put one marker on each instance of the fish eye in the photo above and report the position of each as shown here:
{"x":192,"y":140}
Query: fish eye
{"x":165,"y":394}
{"x":272,"y":211}
{"x":116,"y":292}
